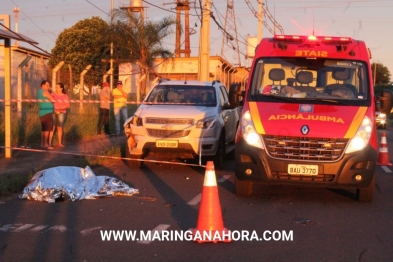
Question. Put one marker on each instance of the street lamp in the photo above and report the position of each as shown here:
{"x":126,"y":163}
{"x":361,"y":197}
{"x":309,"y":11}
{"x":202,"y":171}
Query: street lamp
{"x":111,"y":61}
{"x":16,"y":12}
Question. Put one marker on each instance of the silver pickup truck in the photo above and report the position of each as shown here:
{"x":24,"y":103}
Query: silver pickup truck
{"x":183,"y":119}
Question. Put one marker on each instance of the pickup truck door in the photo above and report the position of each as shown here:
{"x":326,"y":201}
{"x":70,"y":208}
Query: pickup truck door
{"x":228,"y":116}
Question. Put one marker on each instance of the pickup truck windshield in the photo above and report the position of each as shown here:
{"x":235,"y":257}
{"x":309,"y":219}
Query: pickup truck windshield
{"x":186,"y":95}
{"x":320,"y":80}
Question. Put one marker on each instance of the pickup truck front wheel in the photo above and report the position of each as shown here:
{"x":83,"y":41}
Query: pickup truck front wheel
{"x":133,"y":163}
{"x":219,"y":158}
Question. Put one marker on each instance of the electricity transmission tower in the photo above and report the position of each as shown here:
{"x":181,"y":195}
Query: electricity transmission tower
{"x":230,"y":43}
{"x":182,"y":14}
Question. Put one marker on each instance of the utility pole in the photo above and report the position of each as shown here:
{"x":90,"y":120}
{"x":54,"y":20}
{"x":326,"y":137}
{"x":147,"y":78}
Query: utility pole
{"x":137,"y":8}
{"x":204,"y":43}
{"x":7,"y":88}
{"x":111,"y":62}
{"x":260,"y":20}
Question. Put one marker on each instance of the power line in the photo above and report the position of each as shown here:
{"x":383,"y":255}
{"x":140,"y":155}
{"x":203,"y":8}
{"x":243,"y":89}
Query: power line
{"x":21,"y":10}
{"x":231,"y":27}
{"x":97,"y":7}
{"x":25,"y":40}
{"x":273,"y":20}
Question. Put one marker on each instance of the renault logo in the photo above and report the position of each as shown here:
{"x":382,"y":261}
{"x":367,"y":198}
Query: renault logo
{"x":304,"y":130}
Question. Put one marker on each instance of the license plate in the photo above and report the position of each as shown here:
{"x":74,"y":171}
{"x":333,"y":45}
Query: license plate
{"x":305,"y":170}
{"x":167,"y":143}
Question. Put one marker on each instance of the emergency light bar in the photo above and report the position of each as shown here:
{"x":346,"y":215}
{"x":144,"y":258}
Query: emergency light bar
{"x":312,"y":38}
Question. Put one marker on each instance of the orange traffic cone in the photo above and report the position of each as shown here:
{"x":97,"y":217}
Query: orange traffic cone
{"x":210,"y":226}
{"x":383,"y":156}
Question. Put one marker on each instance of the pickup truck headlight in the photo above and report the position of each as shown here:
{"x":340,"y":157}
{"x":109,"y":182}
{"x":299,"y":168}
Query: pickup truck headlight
{"x":136,"y":121}
{"x":250,"y":135}
{"x":362,"y":136}
{"x":382,"y":118}
{"x":205,"y":123}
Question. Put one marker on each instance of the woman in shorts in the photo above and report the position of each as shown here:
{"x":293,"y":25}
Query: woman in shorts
{"x":46,"y":114}
{"x":62,"y":103}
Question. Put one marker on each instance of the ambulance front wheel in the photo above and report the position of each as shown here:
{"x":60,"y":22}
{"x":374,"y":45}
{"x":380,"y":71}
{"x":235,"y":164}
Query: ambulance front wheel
{"x":243,"y":187}
{"x":366,"y":194}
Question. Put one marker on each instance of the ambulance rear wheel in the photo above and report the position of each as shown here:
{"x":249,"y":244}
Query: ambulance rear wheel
{"x":366,"y":194}
{"x":243,"y":187}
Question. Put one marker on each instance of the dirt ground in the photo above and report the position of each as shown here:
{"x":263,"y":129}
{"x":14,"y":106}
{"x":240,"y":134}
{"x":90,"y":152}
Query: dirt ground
{"x":28,"y":161}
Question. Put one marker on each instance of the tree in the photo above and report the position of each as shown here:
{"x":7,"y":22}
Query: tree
{"x":140,"y":42}
{"x":382,"y":74}
{"x":83,"y":44}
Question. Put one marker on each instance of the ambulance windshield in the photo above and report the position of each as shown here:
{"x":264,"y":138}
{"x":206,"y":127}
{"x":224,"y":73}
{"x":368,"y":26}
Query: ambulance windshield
{"x":311,"y":79}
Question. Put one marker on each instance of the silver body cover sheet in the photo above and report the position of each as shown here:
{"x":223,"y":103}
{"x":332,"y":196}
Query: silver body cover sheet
{"x":73,"y":183}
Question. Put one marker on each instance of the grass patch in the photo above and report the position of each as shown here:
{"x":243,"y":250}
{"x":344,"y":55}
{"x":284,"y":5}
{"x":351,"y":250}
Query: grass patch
{"x":13,"y":183}
{"x":113,"y":151}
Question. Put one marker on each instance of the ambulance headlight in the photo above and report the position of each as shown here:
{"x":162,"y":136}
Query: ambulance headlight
{"x":250,"y":135}
{"x":361,"y":138}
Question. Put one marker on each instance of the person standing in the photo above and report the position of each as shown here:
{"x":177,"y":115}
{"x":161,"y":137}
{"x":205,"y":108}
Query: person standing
{"x":104,"y":109}
{"x":45,"y":113}
{"x":62,"y":103}
{"x":119,"y":105}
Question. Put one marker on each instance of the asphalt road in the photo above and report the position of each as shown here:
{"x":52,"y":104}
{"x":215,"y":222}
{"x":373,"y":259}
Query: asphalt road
{"x":326,"y":225}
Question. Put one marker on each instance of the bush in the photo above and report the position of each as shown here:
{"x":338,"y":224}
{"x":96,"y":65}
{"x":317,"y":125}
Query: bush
{"x":378,"y":89}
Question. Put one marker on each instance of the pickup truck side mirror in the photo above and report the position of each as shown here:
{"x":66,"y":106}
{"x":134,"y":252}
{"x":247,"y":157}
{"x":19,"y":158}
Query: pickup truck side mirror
{"x":227,"y":105}
{"x":378,"y":104}
{"x":235,"y":93}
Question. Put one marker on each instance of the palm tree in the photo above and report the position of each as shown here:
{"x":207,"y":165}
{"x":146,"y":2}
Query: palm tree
{"x":139,"y":42}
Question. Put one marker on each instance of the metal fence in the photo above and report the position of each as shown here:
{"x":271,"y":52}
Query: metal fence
{"x":27,"y":72}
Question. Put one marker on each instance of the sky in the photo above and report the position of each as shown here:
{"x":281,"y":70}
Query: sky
{"x":367,"y":20}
